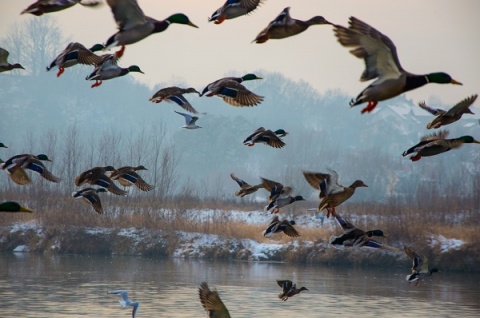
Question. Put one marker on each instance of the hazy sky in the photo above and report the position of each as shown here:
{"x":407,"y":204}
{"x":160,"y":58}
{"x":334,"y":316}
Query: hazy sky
{"x":430,"y":35}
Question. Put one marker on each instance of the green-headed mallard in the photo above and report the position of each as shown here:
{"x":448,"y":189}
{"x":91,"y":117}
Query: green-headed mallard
{"x":268,"y":137}
{"x":109,"y":69}
{"x":276,"y":189}
{"x":90,"y":195}
{"x":420,"y":266}
{"x":190,"y":121}
{"x":13,"y":207}
{"x":284,"y":26}
{"x":97,"y":176}
{"x":289,"y":289}
{"x":233,"y":9}
{"x":355,"y":237}
{"x":281,"y":201}
{"x":30,"y":162}
{"x":127,"y":176}
{"x":134,"y":26}
{"x":232,"y":92}
{"x":47,"y":6}
{"x":332,"y":194}
{"x":381,"y":61}
{"x":18,"y":175}
{"x":76,"y":53}
{"x":284,"y":226}
{"x":452,"y":115}
{"x":211,"y":302}
{"x":436,"y":143}
{"x":175,"y":94}
{"x":126,"y":302}
{"x":245,"y":188}
{"x":4,"y":65}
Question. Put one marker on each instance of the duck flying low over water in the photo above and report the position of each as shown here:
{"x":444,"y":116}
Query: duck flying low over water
{"x":355,"y":237}
{"x":76,"y":53}
{"x":276,"y":189}
{"x":452,"y":115}
{"x":135,"y":26}
{"x":175,"y":94}
{"x":125,"y":302}
{"x":97,"y":176}
{"x":13,"y":207}
{"x":274,"y":206}
{"x":382,"y":63}
{"x":277,"y":226}
{"x":245,"y":188}
{"x":4,"y":65}
{"x":289,"y":289}
{"x":190,"y":121}
{"x":284,"y":26}
{"x":268,"y":137}
{"x":127,"y":176}
{"x":211,"y":302}
{"x":233,"y":9}
{"x":436,"y":143}
{"x":332,"y":194}
{"x":90,"y":196}
{"x":109,"y":69}
{"x":420,"y":266}
{"x":28,"y":162}
{"x":47,"y":6}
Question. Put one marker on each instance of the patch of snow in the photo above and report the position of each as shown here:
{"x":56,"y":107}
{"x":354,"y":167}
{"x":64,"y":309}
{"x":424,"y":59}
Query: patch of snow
{"x":24,"y":226}
{"x":21,"y":249}
{"x":445,"y":244}
{"x":262,"y":251}
{"x":97,"y":230}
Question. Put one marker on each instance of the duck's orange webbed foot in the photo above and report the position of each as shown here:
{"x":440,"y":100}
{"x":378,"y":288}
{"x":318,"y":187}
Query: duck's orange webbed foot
{"x":416,"y":283}
{"x":120,"y":52}
{"x":333,"y":211}
{"x":250,"y":145}
{"x":60,"y":71}
{"x":220,"y":20}
{"x":97,"y":83}
{"x":371,"y":106}
{"x":416,"y":157}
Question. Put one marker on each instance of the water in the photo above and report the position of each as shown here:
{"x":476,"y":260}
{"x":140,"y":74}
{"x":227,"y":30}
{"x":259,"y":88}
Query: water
{"x":76,"y":286}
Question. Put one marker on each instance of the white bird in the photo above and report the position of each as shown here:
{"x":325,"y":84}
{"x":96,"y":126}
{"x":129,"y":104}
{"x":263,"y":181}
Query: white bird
{"x":189,"y":121}
{"x":126,"y":302}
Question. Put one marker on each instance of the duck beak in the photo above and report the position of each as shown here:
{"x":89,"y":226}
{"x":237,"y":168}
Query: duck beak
{"x":468,"y":111}
{"x":24,"y":209}
{"x":193,"y":25}
{"x":455,"y":82}
{"x":476,"y":141}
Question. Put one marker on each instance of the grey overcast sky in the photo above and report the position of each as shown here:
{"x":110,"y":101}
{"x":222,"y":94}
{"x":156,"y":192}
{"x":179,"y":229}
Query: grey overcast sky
{"x":430,"y":35}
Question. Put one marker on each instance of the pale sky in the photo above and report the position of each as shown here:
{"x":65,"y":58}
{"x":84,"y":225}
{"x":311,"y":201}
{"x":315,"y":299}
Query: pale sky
{"x":430,"y":36}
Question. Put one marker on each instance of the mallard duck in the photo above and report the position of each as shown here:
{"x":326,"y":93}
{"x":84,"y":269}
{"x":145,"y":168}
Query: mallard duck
{"x":284,"y":26}
{"x":436,"y":143}
{"x":109,"y":69}
{"x":450,"y":116}
{"x":289,"y":289}
{"x":47,"y":6}
{"x":268,"y":137}
{"x":4,"y":65}
{"x":332,"y":194}
{"x":30,"y":162}
{"x":18,"y":175}
{"x":90,"y":195}
{"x":127,"y":176}
{"x":126,"y":302}
{"x":75,"y":53}
{"x":284,"y":226}
{"x":245,"y":188}
{"x":97,"y":176}
{"x":190,"y":121}
{"x":381,"y":61}
{"x":232,"y":92}
{"x":233,"y":9}
{"x":13,"y":207}
{"x":175,"y":94}
{"x":275,"y":188}
{"x":280,"y":202}
{"x":420,"y":266}
{"x":211,"y":302}
{"x":134,"y":26}
{"x":355,"y":237}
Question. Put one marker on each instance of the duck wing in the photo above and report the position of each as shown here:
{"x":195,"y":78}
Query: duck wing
{"x":462,"y":106}
{"x":212,"y":302}
{"x":127,"y":13}
{"x":433,"y":111}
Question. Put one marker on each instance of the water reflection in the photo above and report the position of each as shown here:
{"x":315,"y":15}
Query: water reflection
{"x":72,"y":286}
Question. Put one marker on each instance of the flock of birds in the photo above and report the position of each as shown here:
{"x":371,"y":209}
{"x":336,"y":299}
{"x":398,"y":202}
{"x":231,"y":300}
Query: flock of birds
{"x":365,"y":42}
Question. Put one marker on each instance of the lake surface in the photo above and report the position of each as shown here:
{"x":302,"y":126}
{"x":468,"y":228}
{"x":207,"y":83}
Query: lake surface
{"x":76,"y":286}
